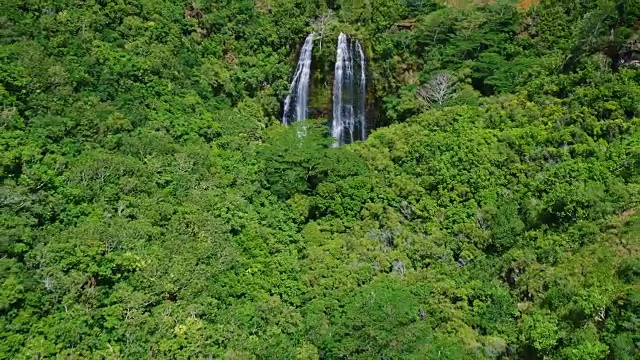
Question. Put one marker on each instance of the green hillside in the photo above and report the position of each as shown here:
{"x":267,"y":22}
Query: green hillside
{"x":152,"y":205}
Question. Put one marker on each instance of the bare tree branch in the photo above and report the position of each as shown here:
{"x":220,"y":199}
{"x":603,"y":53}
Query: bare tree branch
{"x":437,"y":90}
{"x":321,"y":26}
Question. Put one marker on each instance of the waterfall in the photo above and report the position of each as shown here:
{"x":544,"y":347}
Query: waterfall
{"x":362,"y":93}
{"x":341,"y":75}
{"x":295,"y":105}
{"x":349,"y":92}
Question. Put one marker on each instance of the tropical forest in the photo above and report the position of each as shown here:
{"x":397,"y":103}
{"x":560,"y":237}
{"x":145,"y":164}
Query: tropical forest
{"x":320,"y":179}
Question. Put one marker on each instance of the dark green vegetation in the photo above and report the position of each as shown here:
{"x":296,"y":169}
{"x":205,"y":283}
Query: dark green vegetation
{"x":152,"y":206}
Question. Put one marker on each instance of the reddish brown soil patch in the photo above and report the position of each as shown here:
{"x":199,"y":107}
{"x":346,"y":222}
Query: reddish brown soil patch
{"x":461,"y":4}
{"x":525,"y":4}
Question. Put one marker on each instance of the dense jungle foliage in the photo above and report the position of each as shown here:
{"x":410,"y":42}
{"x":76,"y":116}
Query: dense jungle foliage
{"x":153,"y":207}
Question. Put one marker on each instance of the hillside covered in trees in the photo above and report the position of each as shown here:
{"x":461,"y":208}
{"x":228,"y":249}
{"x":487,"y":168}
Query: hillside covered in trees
{"x":153,"y":206}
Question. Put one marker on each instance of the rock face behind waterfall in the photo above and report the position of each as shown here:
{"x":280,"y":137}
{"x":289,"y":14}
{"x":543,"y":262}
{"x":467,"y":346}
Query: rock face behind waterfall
{"x":297,"y":102}
{"x":349,"y":92}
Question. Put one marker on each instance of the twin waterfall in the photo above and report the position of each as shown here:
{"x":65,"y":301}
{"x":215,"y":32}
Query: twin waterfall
{"x":349,"y":91}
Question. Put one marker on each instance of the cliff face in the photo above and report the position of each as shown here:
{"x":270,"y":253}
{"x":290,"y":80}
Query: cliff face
{"x":630,"y":54}
{"x":322,"y":80}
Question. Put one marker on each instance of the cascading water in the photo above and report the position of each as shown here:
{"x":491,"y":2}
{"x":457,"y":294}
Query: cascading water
{"x":295,"y":105}
{"x":349,"y":91}
{"x":342,"y":74}
{"x":362,"y":93}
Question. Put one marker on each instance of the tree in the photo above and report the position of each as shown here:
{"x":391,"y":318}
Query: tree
{"x":321,"y":26}
{"x":438,"y":90}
